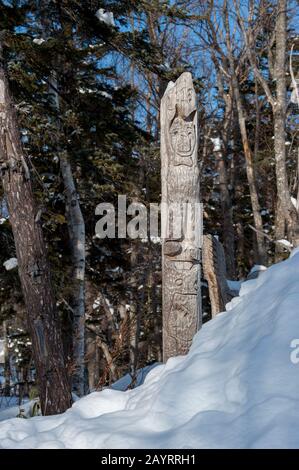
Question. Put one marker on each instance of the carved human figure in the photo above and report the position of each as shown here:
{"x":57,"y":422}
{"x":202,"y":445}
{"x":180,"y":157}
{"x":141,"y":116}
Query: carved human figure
{"x":182,"y":138}
{"x":180,"y":191}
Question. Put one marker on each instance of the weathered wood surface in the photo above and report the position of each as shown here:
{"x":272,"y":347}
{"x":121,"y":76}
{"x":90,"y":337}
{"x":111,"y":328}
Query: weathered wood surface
{"x":214,"y":271}
{"x":180,"y":186}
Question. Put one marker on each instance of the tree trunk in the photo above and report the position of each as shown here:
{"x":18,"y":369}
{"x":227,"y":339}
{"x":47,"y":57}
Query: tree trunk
{"x":75,"y":222}
{"x":134,"y":318}
{"x":261,"y":251}
{"x":226,"y":202}
{"x":93,"y":363}
{"x":76,"y":228}
{"x":227,"y":216}
{"x":7,"y":373}
{"x":284,"y":211}
{"x":256,"y":210}
{"x":33,"y":266}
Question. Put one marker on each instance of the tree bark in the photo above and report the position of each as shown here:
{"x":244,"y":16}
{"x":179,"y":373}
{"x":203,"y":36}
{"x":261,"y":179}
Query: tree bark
{"x":256,"y":209}
{"x":33,"y":266}
{"x":283,"y":217}
{"x":76,"y":229}
{"x":7,"y":374}
{"x":261,"y":251}
{"x":226,"y":202}
{"x":286,"y":216}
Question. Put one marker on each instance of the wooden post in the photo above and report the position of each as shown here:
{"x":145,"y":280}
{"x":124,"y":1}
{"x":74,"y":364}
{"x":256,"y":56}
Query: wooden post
{"x":214,"y":271}
{"x":181,"y":208}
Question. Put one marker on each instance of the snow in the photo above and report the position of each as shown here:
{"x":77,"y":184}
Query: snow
{"x":85,"y":90}
{"x":105,"y":17}
{"x":295,"y":203}
{"x":257,"y":268}
{"x":165,"y":67}
{"x":38,"y":41}
{"x":97,"y":303}
{"x":285,"y":243}
{"x":264,"y":212}
{"x":106,"y":94}
{"x":293,"y":97}
{"x":237,"y":387}
{"x":243,"y":287}
{"x":216,"y":141}
{"x":11,"y":263}
{"x":256,"y":271}
{"x":295,"y":91}
{"x":233,"y":285}
{"x":10,"y":408}
{"x":294,"y":252}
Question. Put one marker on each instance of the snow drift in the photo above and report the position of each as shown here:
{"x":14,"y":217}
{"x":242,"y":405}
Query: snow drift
{"x":238,"y":386}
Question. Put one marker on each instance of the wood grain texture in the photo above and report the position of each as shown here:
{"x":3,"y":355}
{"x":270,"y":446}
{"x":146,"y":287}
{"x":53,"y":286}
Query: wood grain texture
{"x":214,"y":271}
{"x":180,"y":194}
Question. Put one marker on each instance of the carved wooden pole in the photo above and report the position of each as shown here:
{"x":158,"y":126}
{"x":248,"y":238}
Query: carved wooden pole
{"x":182,"y":229}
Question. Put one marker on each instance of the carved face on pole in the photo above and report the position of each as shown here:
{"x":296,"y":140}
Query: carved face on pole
{"x":181,"y":100}
{"x":181,"y":108}
{"x":182,"y":139}
{"x":180,"y":190}
{"x":186,"y":99}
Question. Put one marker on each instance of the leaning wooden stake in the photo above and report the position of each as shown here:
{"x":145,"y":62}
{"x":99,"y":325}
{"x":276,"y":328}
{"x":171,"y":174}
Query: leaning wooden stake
{"x":214,"y":271}
{"x":181,"y":208}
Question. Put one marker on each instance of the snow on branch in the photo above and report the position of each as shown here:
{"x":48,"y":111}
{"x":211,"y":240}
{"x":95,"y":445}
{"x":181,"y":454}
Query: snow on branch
{"x":105,"y":16}
{"x":10,"y":264}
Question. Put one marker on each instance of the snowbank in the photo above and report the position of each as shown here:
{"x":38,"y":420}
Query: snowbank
{"x":238,"y":386}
